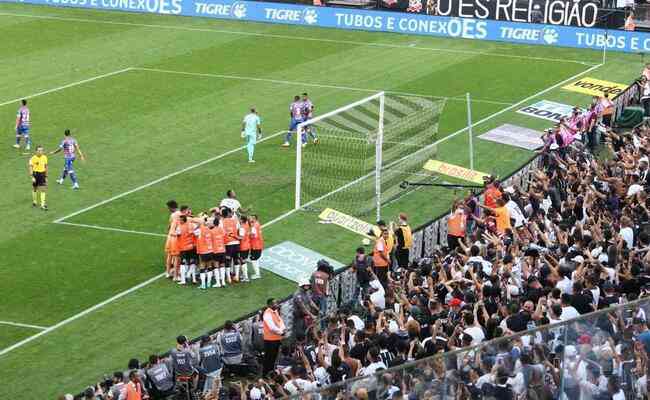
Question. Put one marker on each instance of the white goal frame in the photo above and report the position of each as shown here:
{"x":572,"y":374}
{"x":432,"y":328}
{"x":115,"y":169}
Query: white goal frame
{"x":378,"y":153}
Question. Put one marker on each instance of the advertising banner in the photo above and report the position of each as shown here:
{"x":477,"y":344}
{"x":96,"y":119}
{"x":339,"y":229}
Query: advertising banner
{"x":348,"y":222}
{"x":379,"y":21}
{"x":455,"y":171}
{"x":292,"y":261}
{"x":595,"y":87}
{"x":514,"y":135}
{"x":548,"y":110}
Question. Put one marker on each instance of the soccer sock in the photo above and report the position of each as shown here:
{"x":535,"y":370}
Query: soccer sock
{"x":250,"y":147}
{"x":244,"y":271}
{"x":228,"y":275}
{"x":193,"y":272}
{"x":73,"y":177}
{"x":256,"y":267}
{"x":34,"y":197}
{"x":43,"y":199}
{"x":237,"y":272}
{"x":288,"y":137}
{"x":209,"y":278}
{"x":28,"y":140}
{"x":183,"y":272}
{"x":64,"y":174}
{"x":202,"y":275}
{"x":303,"y":136}
{"x":222,"y":272}
{"x":18,"y":140}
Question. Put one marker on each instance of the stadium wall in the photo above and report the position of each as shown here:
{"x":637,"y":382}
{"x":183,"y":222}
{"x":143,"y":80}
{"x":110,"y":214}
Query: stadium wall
{"x":375,"y":21}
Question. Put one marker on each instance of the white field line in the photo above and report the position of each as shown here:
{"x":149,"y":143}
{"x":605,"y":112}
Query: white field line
{"x":161,"y":179}
{"x":21,"y":325}
{"x":273,"y":221}
{"x":106,"y":228}
{"x":289,"y":37}
{"x":309,"y":84}
{"x":79,"y":315}
{"x":69,"y":85}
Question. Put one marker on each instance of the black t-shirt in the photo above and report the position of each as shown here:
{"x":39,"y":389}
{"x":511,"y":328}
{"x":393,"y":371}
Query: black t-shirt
{"x":359,"y":351}
{"x":339,"y":373}
{"x":582,"y":302}
{"x":518,"y":322}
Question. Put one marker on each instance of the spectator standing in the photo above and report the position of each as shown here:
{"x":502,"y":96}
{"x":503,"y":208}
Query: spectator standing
{"x":456,"y":225}
{"x":274,"y":330}
{"x":320,"y":280}
{"x":404,"y":241}
{"x":305,"y":312}
{"x":381,"y":257}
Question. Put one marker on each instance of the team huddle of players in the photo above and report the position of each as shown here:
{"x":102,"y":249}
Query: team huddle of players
{"x":223,"y":241}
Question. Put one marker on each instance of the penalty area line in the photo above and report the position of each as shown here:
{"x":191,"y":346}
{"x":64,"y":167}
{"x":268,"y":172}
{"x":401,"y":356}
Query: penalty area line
{"x":21,"y":325}
{"x":69,"y":85}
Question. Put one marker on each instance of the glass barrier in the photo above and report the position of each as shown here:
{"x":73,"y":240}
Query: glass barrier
{"x":601,"y":355}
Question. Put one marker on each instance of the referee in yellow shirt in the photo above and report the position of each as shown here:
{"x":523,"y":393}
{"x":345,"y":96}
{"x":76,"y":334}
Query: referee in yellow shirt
{"x":38,"y":173}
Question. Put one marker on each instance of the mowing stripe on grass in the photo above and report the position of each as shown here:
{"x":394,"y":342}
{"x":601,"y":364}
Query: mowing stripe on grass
{"x":69,"y":85}
{"x":309,"y":84}
{"x":21,"y":325}
{"x":305,"y":38}
{"x":163,"y":178}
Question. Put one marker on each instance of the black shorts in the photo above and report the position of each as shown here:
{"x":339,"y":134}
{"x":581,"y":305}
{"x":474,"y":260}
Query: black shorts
{"x":40,"y":179}
{"x":188,"y":256}
{"x":220,"y":258}
{"x":206,"y":258}
{"x":256,"y":254}
{"x":232,"y":250}
{"x":243,"y":254}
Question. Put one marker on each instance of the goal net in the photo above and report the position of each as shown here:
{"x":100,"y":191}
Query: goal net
{"x":366,"y":150}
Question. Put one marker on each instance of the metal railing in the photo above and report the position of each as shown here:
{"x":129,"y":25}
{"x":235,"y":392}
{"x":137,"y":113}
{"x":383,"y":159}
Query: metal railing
{"x":550,"y":358}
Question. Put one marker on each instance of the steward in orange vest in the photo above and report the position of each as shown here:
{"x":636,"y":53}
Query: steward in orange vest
{"x":274,"y":329}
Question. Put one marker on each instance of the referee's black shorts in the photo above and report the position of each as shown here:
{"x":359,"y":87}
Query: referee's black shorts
{"x":40,"y":179}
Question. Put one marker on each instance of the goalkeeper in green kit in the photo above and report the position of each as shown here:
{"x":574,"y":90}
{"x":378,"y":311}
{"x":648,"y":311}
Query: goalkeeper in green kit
{"x":251,"y":130}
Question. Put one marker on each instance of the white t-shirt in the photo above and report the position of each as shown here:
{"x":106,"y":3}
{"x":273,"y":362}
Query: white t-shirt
{"x":299,"y":384}
{"x":378,"y":297}
{"x":628,"y":236}
{"x":565,"y":285}
{"x":372,"y":368}
{"x":568,"y":313}
{"x":233,"y":204}
{"x":476,"y":333}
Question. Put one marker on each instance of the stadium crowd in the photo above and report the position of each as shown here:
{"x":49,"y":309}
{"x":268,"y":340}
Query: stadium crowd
{"x":575,"y":241}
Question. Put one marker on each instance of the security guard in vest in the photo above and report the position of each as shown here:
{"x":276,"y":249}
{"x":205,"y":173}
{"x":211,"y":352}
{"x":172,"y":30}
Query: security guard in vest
{"x":274,"y":331}
{"x":404,"y":239}
{"x":183,"y":362}
{"x":230,"y":341}
{"x":211,"y":362}
{"x":161,"y":381}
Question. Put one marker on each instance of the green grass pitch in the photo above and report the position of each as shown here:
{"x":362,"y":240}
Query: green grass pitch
{"x":148,"y":96}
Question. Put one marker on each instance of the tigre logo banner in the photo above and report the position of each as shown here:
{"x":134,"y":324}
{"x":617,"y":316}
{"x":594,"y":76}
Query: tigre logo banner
{"x":595,"y":87}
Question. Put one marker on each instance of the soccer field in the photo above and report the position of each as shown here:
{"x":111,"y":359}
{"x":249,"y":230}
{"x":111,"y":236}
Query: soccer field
{"x":156,"y":103}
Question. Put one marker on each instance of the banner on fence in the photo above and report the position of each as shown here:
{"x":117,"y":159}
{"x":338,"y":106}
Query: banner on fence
{"x":379,"y":21}
{"x":595,"y":87}
{"x":455,"y":171}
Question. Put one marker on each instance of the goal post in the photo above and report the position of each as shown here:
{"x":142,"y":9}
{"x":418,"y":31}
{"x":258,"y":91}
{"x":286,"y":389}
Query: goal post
{"x":366,"y":150}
